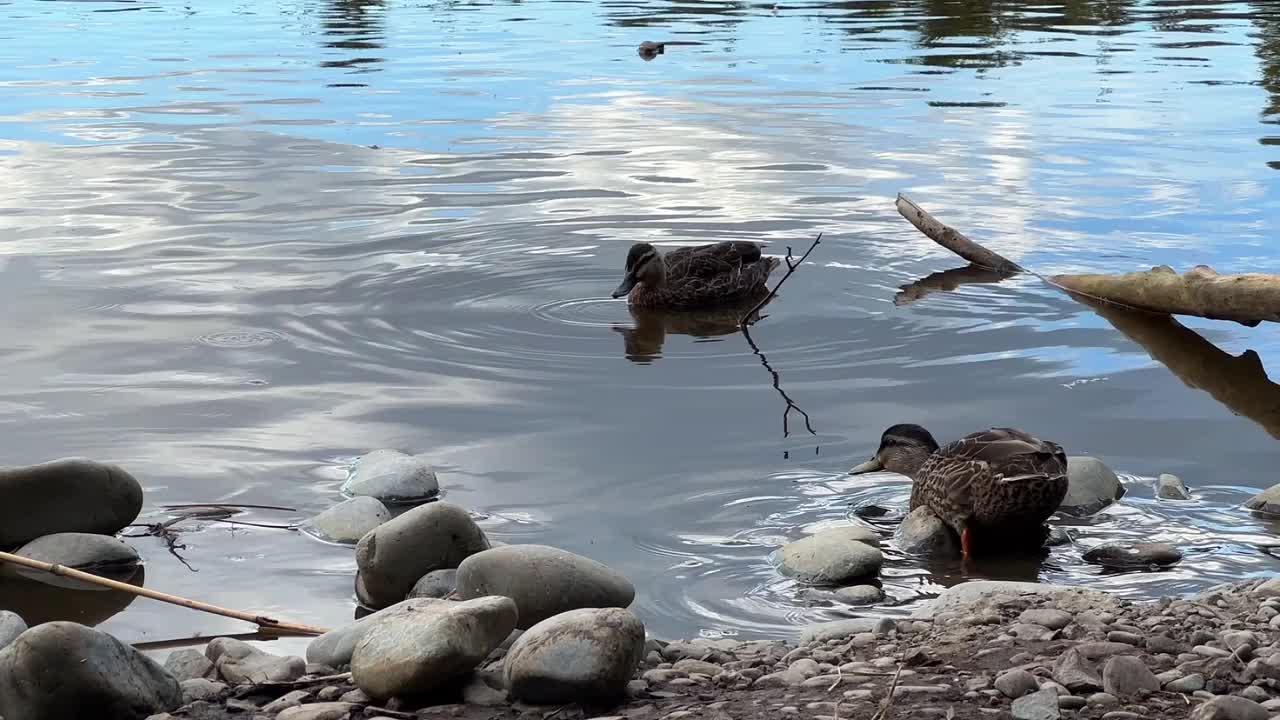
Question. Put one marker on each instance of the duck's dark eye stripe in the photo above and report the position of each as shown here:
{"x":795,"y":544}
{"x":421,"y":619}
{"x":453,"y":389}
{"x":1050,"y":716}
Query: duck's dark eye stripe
{"x":644,"y":259}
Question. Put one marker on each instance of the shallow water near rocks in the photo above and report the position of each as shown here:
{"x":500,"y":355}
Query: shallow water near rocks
{"x":243,"y":244}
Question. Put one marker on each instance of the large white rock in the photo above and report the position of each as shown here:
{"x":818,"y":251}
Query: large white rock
{"x":413,"y":653}
{"x":65,"y":671}
{"x":393,"y":477}
{"x":543,"y":581}
{"x":584,"y":655}
{"x":69,"y":495}
{"x":394,"y":555}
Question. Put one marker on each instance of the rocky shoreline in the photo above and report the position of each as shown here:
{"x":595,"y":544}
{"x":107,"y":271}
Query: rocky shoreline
{"x":457,"y":625}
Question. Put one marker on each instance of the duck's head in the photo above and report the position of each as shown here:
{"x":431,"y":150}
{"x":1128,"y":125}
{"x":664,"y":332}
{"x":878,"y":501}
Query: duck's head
{"x":644,"y":265}
{"x":903,"y":449}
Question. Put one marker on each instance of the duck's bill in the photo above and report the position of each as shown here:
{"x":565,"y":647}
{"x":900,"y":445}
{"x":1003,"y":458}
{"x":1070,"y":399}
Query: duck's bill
{"x":871,"y":465}
{"x":628,"y":282}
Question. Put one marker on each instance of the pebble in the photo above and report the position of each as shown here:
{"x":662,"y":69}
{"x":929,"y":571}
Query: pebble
{"x":586,"y":654}
{"x":68,"y":495}
{"x":1123,"y":555}
{"x":392,"y":477}
{"x":858,"y":595}
{"x":1075,"y":673}
{"x":413,"y":653}
{"x":1071,"y":702}
{"x":842,"y":629}
{"x":1039,"y":705}
{"x":286,"y":701}
{"x":61,"y":666}
{"x":319,"y":711}
{"x":1209,"y":651}
{"x":1016,"y":683}
{"x":1187,"y":684}
{"x":543,"y":581}
{"x":1127,"y":676}
{"x":833,"y":556}
{"x":1103,"y":700}
{"x":1163,"y":644}
{"x":348,"y":521}
{"x":1091,"y":486}
{"x":197,"y":689}
{"x":238,"y":662}
{"x":1127,"y":638}
{"x":1230,"y":707}
{"x":394,"y":555}
{"x":690,"y":665}
{"x":1171,"y":487}
{"x":1046,"y":617}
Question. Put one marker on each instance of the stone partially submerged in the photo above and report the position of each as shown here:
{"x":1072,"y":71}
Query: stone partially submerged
{"x":348,"y":521}
{"x":393,"y":478}
{"x":835,"y":556}
{"x":1091,"y":486}
{"x":69,"y":495}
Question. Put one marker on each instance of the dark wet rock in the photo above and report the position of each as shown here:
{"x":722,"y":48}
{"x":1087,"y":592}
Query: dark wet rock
{"x":320,"y":711}
{"x":238,"y":662}
{"x":1091,"y":486}
{"x":1230,"y":707}
{"x":580,"y":655}
{"x":543,"y":581}
{"x":98,"y":554}
{"x":393,"y":477}
{"x":435,"y":584}
{"x":1123,"y":555}
{"x":412,"y":653}
{"x":1016,"y":683}
{"x":841,"y":629}
{"x":1075,"y":673}
{"x":858,"y":595}
{"x":188,"y":663}
{"x":921,"y":532}
{"x":1039,"y":705}
{"x":1127,"y":676}
{"x":1171,"y":487}
{"x":394,"y":555}
{"x":56,"y":670}
{"x":11,"y":626}
{"x":70,"y":495}
{"x":649,"y":50}
{"x":334,"y":648}
{"x":832,"y":557}
{"x":196,"y":689}
{"x":348,"y":521}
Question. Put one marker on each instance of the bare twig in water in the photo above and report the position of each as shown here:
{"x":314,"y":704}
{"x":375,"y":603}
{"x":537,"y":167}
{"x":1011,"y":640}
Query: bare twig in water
{"x":262,"y":621}
{"x":777,"y":385}
{"x":791,"y":267}
{"x":233,"y":506}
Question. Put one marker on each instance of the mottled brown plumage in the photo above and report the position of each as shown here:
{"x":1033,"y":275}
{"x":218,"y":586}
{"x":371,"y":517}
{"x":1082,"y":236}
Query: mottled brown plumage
{"x":693,"y":278}
{"x":996,"y":484}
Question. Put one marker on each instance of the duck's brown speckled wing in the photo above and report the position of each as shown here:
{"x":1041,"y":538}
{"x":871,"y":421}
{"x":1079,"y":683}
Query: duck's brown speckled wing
{"x":995,"y":477}
{"x":708,"y":275}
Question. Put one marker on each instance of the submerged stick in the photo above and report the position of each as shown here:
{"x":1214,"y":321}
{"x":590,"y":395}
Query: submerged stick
{"x":952,"y":239}
{"x":262,"y":621}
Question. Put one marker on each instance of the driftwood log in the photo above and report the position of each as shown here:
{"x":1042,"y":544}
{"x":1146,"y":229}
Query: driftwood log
{"x":1201,"y":292}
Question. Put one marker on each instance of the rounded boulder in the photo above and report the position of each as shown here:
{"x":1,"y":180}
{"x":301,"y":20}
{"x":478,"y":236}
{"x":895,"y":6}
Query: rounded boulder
{"x":415,"y":653}
{"x":393,"y":478}
{"x":832,"y":557}
{"x":543,"y":581}
{"x":69,"y":495}
{"x":57,"y":670}
{"x":584,"y":655}
{"x":394,"y":555}
{"x":348,"y":521}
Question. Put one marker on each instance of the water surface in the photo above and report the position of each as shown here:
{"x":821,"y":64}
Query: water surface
{"x":243,"y":243}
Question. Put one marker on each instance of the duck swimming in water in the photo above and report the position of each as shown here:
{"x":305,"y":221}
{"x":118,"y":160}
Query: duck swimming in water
{"x":1000,"y":485}
{"x":693,"y":278}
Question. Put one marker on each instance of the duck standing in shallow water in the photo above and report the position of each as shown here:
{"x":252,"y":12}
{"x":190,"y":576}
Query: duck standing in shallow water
{"x":1000,"y":485}
{"x":692,"y":278}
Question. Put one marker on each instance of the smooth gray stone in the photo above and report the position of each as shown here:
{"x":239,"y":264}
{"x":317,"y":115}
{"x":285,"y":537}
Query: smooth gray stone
{"x":11,"y":626}
{"x":584,"y":655}
{"x":835,"y":556}
{"x":393,"y":477}
{"x":922,"y":532}
{"x":1091,"y":486}
{"x":435,"y":584}
{"x":1171,"y":487}
{"x":238,"y":662}
{"x":394,"y":555}
{"x":97,"y":554}
{"x":57,"y":670}
{"x":68,"y":495}
{"x":543,"y":581}
{"x":334,"y":648}
{"x":348,"y":521}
